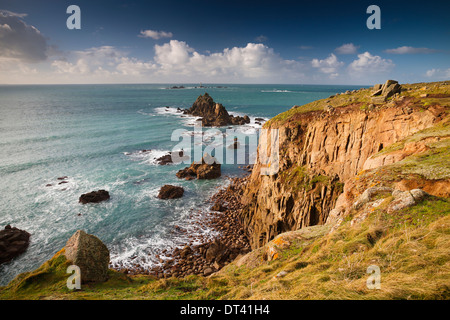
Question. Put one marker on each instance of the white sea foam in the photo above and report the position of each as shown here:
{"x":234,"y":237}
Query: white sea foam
{"x":187,"y":120}
{"x":147,"y":251}
{"x":147,"y":156}
{"x":276,"y":90}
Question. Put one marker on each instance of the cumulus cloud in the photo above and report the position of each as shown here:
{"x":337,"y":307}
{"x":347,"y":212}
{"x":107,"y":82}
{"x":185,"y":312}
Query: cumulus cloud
{"x":370,"y":64}
{"x":410,"y":50}
{"x":104,"y":61}
{"x":438,"y":74}
{"x":19,"y":40}
{"x":4,"y":29}
{"x":255,"y":61}
{"x":348,"y":48}
{"x":155,"y":34}
{"x":177,"y":61}
{"x":329,"y":65}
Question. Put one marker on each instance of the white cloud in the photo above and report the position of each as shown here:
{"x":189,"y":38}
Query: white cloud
{"x":255,"y":62}
{"x":172,"y":54}
{"x":12,"y":14}
{"x":100,"y":62}
{"x":4,"y":28}
{"x":329,"y":65}
{"x":348,"y":48}
{"x":409,"y":50}
{"x":438,"y":74}
{"x":155,"y":34}
{"x":19,"y":40}
{"x":370,"y":64}
{"x":176,"y":61}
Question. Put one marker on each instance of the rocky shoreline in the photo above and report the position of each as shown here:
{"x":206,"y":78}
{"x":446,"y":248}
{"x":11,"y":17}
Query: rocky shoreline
{"x":211,"y":255}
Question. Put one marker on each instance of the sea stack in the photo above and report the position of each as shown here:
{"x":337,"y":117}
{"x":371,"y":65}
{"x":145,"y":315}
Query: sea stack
{"x":214,"y":114}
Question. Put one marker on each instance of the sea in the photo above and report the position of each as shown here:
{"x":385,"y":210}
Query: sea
{"x":109,"y":137}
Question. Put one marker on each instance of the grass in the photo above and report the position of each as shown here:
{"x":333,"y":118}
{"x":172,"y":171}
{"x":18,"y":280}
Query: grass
{"x":360,"y":97}
{"x":411,"y":247}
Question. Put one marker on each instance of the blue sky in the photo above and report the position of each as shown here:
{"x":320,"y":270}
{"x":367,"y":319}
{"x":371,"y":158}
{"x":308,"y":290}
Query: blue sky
{"x":323,"y":42}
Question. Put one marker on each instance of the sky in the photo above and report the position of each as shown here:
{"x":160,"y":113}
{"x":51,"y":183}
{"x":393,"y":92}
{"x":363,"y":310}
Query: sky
{"x":275,"y":42}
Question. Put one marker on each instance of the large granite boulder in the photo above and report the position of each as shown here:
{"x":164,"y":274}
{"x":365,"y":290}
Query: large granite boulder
{"x":90,"y":254}
{"x":94,"y":197}
{"x":13,"y":242}
{"x":170,"y":192}
{"x":382,"y":92}
{"x":215,"y":251}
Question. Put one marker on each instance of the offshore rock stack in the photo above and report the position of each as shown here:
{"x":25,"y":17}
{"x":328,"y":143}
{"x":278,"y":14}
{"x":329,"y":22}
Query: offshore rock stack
{"x":214,"y":114}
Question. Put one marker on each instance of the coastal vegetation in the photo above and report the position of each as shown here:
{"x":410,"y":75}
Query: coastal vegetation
{"x":362,"y":183}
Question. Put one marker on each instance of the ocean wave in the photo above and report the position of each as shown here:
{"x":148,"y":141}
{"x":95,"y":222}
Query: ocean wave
{"x":276,"y":90}
{"x":187,"y":120}
{"x":188,"y":226}
{"x":141,"y":111}
{"x":149,"y":156}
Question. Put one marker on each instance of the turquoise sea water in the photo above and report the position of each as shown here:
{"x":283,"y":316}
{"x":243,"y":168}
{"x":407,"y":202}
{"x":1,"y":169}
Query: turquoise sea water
{"x":94,"y":135}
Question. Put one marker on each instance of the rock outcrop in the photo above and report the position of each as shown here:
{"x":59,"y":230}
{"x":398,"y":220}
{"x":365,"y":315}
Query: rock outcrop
{"x":170,"y":192}
{"x":208,"y":168}
{"x":94,"y":197}
{"x":13,"y":242}
{"x":90,"y":254}
{"x":320,"y":152}
{"x":386,"y":90}
{"x":168,"y":158}
{"x":214,"y":114}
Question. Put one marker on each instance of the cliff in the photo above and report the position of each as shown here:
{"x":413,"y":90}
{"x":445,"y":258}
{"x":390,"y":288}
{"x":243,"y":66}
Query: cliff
{"x":363,"y":180}
{"x":325,"y":144}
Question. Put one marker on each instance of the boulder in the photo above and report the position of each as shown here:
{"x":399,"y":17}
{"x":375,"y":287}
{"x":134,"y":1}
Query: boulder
{"x":186,"y":251}
{"x":370,"y":194}
{"x":382,"y":92}
{"x":377,"y":87}
{"x":391,"y":90}
{"x":94,"y":197}
{"x":170,"y":192}
{"x":379,"y":99}
{"x":206,"y":171}
{"x":13,"y":242}
{"x":208,"y":271}
{"x":215,"y":252}
{"x":418,"y":194}
{"x":169,"y":159}
{"x":90,"y":254}
{"x":388,"y":83}
{"x":218,"y":206}
{"x":376,"y":93}
{"x":209,"y":168}
{"x":401,"y":200}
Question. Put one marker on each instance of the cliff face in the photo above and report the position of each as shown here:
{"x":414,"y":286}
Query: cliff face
{"x":323,"y":149}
